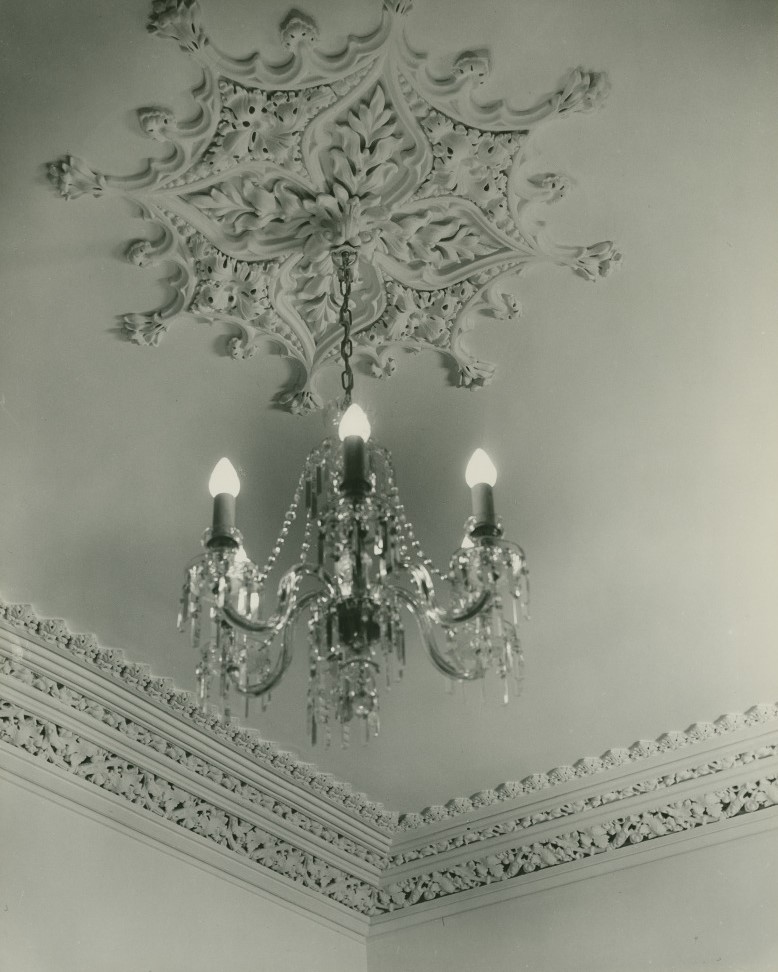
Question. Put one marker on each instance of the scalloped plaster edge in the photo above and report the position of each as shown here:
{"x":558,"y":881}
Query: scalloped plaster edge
{"x":46,"y":711}
{"x":161,"y":691}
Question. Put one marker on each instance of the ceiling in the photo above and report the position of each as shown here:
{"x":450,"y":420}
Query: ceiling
{"x":633,"y":422}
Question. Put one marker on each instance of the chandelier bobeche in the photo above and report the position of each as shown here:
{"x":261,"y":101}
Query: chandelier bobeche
{"x":360,"y":567}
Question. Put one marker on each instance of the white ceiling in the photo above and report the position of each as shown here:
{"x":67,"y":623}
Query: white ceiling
{"x":633,"y":421}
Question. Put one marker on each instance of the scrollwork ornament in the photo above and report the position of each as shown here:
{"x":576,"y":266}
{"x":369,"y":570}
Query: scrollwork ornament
{"x":148,"y":791}
{"x":650,"y":784}
{"x":162,"y":692}
{"x":286,"y":159}
{"x":184,"y":705}
{"x":579,"y":844}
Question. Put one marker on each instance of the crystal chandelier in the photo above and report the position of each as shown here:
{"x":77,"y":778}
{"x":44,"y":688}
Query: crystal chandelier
{"x":359,"y":569}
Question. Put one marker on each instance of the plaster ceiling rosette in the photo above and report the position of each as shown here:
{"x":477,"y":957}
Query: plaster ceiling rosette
{"x":284,"y":161}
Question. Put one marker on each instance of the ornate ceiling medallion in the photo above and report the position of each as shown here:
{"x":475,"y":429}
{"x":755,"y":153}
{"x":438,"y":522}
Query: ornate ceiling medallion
{"x":283,"y":161}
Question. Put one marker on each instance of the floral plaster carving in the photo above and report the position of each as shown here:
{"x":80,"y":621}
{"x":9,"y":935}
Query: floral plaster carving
{"x":63,"y":748}
{"x":283,"y":161}
{"x":590,"y":765}
{"x":179,"y":755}
{"x":681,"y":815}
{"x":182,"y":704}
{"x":163,"y":692}
{"x":156,"y":785}
{"x":661,"y":781}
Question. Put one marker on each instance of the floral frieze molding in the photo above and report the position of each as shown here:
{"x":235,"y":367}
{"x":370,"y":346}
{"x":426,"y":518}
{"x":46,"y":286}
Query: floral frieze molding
{"x":285,"y":159}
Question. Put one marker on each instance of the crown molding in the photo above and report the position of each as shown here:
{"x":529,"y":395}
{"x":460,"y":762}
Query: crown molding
{"x":96,"y":732}
{"x":756,"y":758}
{"x":131,"y":687}
{"x":545,"y":877}
{"x":700,"y":741}
{"x":284,"y":160}
{"x":20,"y":768}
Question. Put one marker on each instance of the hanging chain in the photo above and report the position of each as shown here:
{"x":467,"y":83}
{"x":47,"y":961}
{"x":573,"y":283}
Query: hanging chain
{"x":345,"y":260}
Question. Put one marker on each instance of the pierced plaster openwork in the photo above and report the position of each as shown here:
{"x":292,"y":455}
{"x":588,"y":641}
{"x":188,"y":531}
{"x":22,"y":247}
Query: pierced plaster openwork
{"x":63,"y":748}
{"x":85,"y":714}
{"x":135,"y":677}
{"x":284,"y":160}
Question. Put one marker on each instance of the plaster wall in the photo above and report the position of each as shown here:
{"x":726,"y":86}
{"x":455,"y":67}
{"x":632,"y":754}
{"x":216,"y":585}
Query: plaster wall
{"x":77,"y":895}
{"x":712,"y":908}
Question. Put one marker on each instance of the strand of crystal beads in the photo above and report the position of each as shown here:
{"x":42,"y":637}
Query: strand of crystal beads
{"x":307,"y":540}
{"x":291,"y":516}
{"x":405,"y":527}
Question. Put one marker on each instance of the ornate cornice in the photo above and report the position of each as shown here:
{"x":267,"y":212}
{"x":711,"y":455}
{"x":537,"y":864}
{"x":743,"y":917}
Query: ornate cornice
{"x":712,"y":807}
{"x":624,"y":758}
{"x":63,"y":748}
{"x":81,"y":713}
{"x":665,"y":780}
{"x":284,"y":160}
{"x":137,"y":678}
{"x":186,"y":760}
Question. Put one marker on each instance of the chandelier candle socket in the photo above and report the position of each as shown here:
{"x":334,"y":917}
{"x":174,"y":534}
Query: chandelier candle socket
{"x":354,"y":431}
{"x":224,"y":486}
{"x":480,"y":476}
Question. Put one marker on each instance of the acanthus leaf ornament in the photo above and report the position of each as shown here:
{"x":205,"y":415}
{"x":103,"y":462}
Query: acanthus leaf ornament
{"x":281,"y":162}
{"x":79,"y":710}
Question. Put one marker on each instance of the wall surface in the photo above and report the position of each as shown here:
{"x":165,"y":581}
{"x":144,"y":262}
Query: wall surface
{"x":77,"y":895}
{"x":712,"y":908}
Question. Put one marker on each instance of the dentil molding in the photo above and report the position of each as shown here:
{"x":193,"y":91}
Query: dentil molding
{"x":285,"y":159}
{"x":89,"y":728}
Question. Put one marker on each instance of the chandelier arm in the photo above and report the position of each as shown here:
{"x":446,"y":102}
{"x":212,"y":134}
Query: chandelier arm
{"x":287,"y":600}
{"x":284,"y":659}
{"x":426,"y":588}
{"x":430,"y":643}
{"x":319,"y":574}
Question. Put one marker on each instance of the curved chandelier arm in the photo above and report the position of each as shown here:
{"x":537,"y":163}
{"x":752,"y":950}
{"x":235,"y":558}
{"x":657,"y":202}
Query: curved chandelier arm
{"x":287,"y":601}
{"x":284,"y":659}
{"x":424,"y":585}
{"x":321,"y":575}
{"x":430,"y":643}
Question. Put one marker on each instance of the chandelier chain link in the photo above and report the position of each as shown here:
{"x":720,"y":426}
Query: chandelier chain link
{"x":345,"y":259}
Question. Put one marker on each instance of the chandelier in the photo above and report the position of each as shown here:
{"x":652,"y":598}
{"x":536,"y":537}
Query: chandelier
{"x":360,"y":568}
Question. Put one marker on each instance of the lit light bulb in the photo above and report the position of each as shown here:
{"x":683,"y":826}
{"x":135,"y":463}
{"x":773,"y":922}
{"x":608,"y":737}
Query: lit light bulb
{"x":354,"y":422}
{"x":224,"y":479}
{"x":480,"y":469}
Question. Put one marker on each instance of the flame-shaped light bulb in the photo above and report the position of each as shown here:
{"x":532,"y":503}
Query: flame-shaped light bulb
{"x":480,"y":469}
{"x":224,"y":479}
{"x":224,"y":486}
{"x":480,"y":476}
{"x":354,"y":422}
